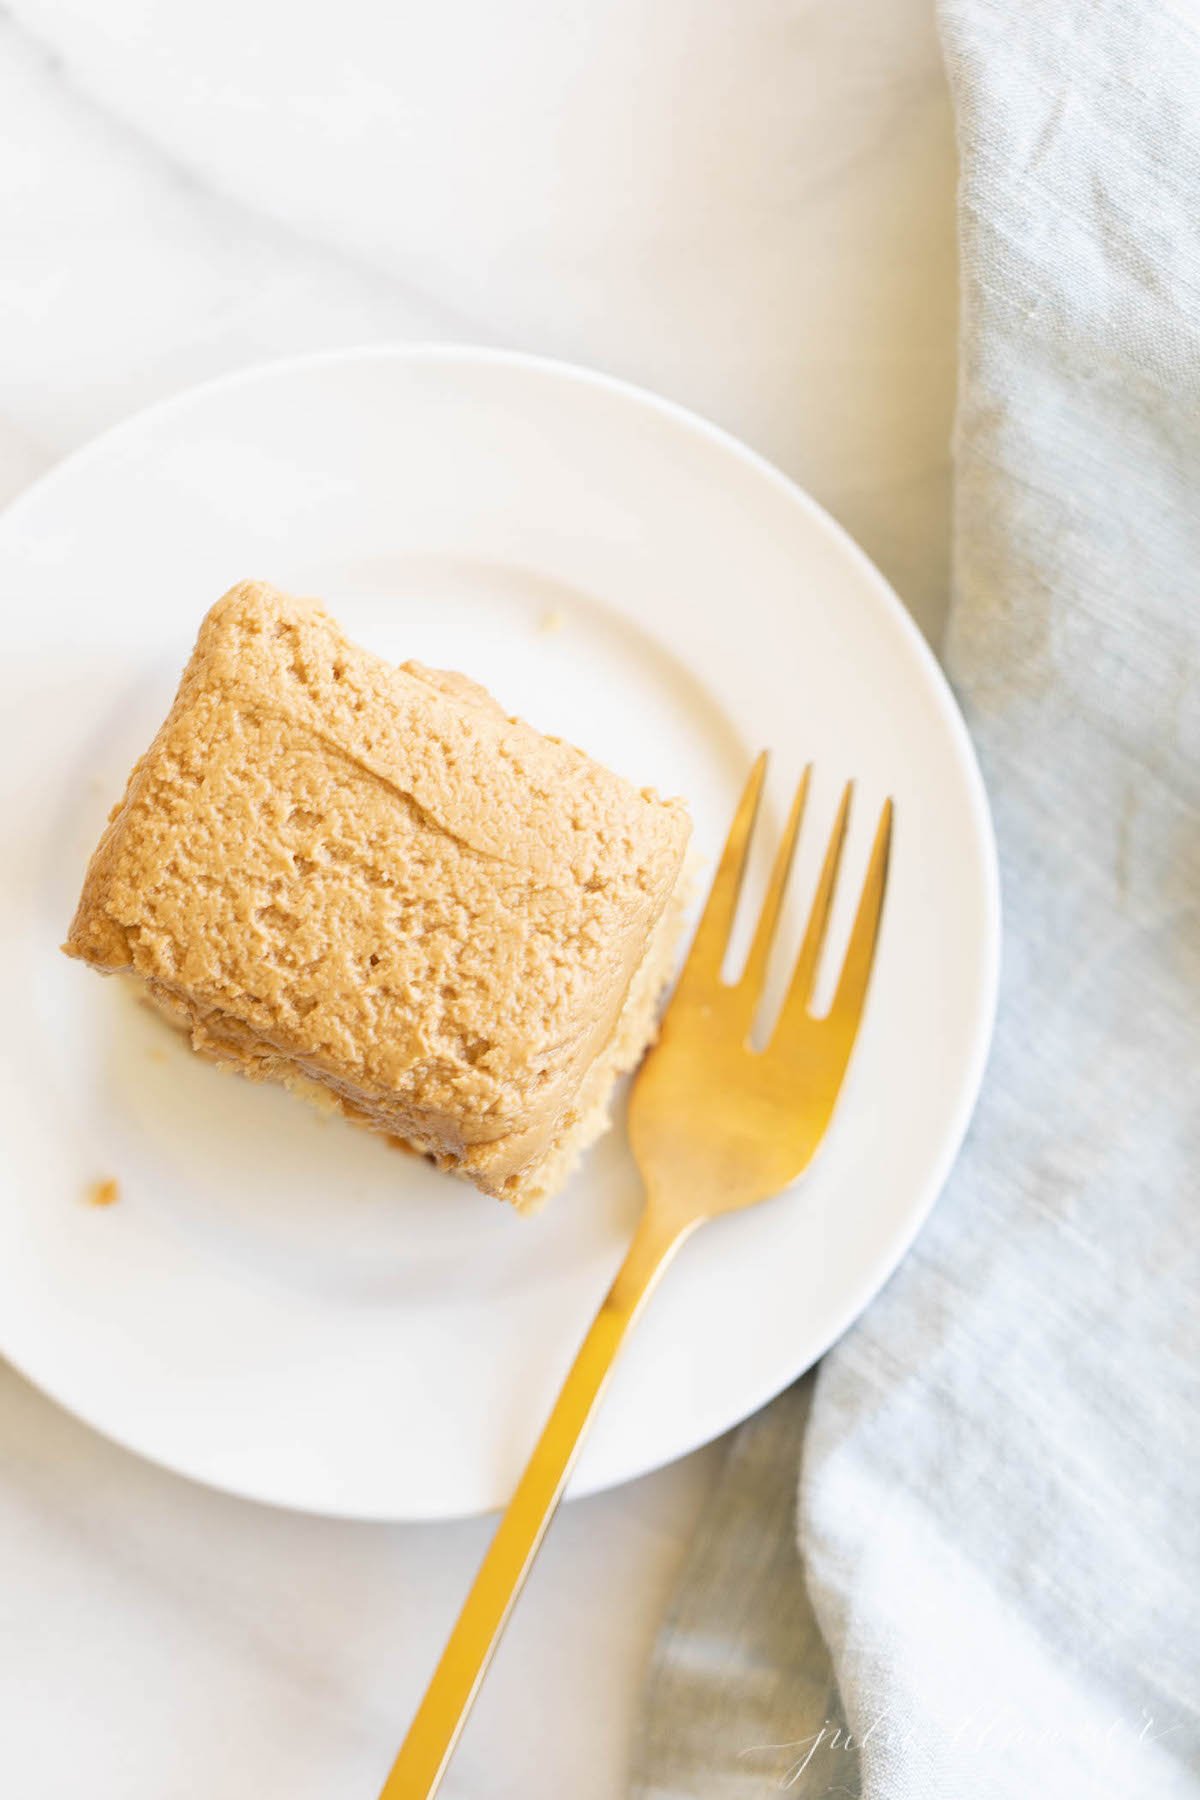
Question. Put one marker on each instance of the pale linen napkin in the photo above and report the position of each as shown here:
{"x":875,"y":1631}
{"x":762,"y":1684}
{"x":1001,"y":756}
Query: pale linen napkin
{"x":999,"y":1505}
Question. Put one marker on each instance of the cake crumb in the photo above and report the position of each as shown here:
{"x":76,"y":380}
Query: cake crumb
{"x":551,"y":621}
{"x":104,"y":1193}
{"x":156,"y":1055}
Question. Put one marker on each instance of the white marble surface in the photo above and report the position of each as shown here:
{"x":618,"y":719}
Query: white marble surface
{"x":749,"y":208}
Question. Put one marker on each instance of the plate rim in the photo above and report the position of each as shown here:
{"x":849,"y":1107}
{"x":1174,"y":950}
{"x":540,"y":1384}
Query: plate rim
{"x":884,"y":1265}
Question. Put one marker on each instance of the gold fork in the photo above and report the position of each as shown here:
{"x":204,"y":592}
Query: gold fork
{"x":715,"y":1126}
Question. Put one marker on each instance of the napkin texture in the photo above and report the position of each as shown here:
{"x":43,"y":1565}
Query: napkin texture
{"x":999,"y":1504}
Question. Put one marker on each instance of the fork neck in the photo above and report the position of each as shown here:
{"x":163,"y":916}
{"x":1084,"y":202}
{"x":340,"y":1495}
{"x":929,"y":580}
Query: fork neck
{"x":657,"y":1238}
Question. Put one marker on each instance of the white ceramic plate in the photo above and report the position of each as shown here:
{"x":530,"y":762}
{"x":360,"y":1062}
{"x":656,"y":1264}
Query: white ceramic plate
{"x":281,"y":1305}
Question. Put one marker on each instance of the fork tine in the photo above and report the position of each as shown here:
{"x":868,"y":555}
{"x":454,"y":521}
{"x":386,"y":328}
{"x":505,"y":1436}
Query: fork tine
{"x":707,"y":953}
{"x":750,"y":984}
{"x":795,"y":1005}
{"x":860,"y":952}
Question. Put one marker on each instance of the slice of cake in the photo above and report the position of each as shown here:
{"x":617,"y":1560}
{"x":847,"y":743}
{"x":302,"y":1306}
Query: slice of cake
{"x":368,"y":882}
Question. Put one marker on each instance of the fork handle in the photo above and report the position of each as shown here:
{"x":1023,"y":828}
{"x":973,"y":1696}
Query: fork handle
{"x":434,"y":1732}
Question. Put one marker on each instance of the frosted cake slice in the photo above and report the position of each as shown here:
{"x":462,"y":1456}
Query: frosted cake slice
{"x":371,"y":884}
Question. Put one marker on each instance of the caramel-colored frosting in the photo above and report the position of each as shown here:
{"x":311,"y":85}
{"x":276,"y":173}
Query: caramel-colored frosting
{"x":340,"y":872}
